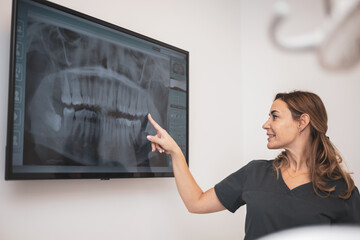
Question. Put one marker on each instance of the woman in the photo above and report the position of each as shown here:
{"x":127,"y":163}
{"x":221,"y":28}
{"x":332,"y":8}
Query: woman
{"x":304,"y":185}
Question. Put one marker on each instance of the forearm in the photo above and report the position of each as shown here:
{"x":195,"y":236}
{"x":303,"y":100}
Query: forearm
{"x":189,"y":190}
{"x":193,"y":197}
{"x":195,"y":200}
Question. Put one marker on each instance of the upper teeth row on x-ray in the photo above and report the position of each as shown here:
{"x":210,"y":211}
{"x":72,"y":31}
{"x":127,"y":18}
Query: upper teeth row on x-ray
{"x":80,"y":88}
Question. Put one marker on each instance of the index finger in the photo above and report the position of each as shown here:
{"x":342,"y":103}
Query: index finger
{"x":155,"y":124}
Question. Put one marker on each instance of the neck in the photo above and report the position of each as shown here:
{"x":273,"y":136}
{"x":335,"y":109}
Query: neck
{"x":298,"y":156}
{"x":299,"y":151}
{"x":297,"y":161}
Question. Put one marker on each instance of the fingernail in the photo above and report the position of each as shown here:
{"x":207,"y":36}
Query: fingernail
{"x":148,"y":137}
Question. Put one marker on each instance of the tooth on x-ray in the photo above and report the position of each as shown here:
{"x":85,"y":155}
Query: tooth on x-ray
{"x":91,"y":100}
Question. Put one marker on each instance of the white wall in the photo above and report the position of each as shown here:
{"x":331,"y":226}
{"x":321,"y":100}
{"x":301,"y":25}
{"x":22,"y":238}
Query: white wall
{"x":234,"y":75}
{"x":143,"y":208}
{"x":266,"y":71}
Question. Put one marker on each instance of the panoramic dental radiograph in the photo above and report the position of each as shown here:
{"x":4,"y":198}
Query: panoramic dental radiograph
{"x":89,"y":99}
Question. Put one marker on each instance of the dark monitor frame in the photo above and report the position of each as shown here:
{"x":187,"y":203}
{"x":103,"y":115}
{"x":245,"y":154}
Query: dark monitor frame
{"x":9,"y":174}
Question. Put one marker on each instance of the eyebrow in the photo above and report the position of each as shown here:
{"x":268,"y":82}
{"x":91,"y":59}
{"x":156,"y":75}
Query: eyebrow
{"x":274,"y":111}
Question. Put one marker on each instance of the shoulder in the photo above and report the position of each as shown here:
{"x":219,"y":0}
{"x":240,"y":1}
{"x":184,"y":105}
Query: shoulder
{"x":259,"y":164}
{"x":341,"y":187}
{"x":257,"y":170}
{"x":251,"y":171}
{"x":253,"y":167}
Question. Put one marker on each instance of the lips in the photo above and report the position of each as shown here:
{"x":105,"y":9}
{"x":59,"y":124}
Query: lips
{"x":271,"y":136}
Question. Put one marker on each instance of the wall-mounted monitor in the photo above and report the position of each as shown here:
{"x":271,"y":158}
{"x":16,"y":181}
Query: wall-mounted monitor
{"x":80,"y":90}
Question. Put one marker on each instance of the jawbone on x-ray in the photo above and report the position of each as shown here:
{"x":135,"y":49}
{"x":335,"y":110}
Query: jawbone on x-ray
{"x":91,"y":98}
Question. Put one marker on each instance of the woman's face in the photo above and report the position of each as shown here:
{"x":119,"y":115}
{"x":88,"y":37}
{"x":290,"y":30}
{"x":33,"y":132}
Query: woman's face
{"x":281,"y":128}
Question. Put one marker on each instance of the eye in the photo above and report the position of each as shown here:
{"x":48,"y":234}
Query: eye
{"x":274,"y":117}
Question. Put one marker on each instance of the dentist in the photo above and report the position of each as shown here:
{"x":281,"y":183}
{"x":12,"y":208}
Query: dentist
{"x":304,"y":185}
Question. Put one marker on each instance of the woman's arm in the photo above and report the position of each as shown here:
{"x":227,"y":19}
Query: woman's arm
{"x":195,"y":200}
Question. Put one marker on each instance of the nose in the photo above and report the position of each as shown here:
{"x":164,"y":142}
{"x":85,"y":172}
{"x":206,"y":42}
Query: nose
{"x":266,"y":125}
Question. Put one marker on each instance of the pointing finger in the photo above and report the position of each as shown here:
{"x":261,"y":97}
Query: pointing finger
{"x":155,"y":124}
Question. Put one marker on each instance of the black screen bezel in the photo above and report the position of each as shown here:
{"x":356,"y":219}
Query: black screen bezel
{"x":9,"y":174}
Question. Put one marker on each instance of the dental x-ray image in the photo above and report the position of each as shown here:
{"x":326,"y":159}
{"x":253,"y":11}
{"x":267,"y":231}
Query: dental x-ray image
{"x":89,"y":97}
{"x":80,"y":90}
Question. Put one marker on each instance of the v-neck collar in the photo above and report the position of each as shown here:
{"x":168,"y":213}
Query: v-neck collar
{"x":303,"y":188}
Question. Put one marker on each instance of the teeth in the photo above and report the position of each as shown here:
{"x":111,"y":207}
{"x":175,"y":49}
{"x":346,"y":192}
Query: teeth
{"x":112,"y":96}
{"x":75,"y":88}
{"x":123,"y":125}
{"x":142,"y":105}
{"x":109,"y":95}
{"x":80,"y":133}
{"x":82,"y":92}
{"x":87,"y":131}
{"x":97,"y":93}
{"x":119,"y":105}
{"x":65,"y":90}
{"x":85,"y":91}
{"x":124,"y":99}
{"x":90,"y":122}
{"x":104,"y":94}
{"x":132,"y":102}
{"x":109,"y":128}
{"x":91,"y":83}
{"x":116,"y":132}
{"x":68,"y":120}
{"x":78,"y":127}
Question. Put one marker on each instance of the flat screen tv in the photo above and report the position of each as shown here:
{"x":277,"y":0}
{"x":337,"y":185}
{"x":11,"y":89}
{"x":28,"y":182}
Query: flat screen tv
{"x":80,"y":90}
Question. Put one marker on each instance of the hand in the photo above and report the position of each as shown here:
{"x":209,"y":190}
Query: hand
{"x":162,"y":141}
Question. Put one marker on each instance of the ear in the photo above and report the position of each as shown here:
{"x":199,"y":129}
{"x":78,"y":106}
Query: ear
{"x":304,"y":121}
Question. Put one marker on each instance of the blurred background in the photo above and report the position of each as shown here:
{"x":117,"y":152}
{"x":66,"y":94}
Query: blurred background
{"x":242,"y":52}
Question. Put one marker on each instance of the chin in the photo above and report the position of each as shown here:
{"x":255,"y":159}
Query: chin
{"x":271,"y":146}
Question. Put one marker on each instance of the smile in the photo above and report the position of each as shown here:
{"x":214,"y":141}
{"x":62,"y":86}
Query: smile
{"x":270,"y":136}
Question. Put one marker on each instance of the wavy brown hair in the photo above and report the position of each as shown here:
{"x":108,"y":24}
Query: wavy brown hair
{"x":325,"y":160}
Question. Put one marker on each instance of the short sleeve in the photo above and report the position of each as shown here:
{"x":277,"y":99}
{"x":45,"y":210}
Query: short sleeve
{"x":229,"y":191}
{"x":353,"y":206}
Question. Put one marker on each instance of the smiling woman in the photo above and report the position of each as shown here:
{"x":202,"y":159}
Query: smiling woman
{"x":322,"y":158}
{"x":281,"y":128}
{"x":305,"y":185}
{"x":289,"y":133}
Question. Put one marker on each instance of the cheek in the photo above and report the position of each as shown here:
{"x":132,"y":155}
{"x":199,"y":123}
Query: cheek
{"x":285,"y":131}
{"x":289,"y":135}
